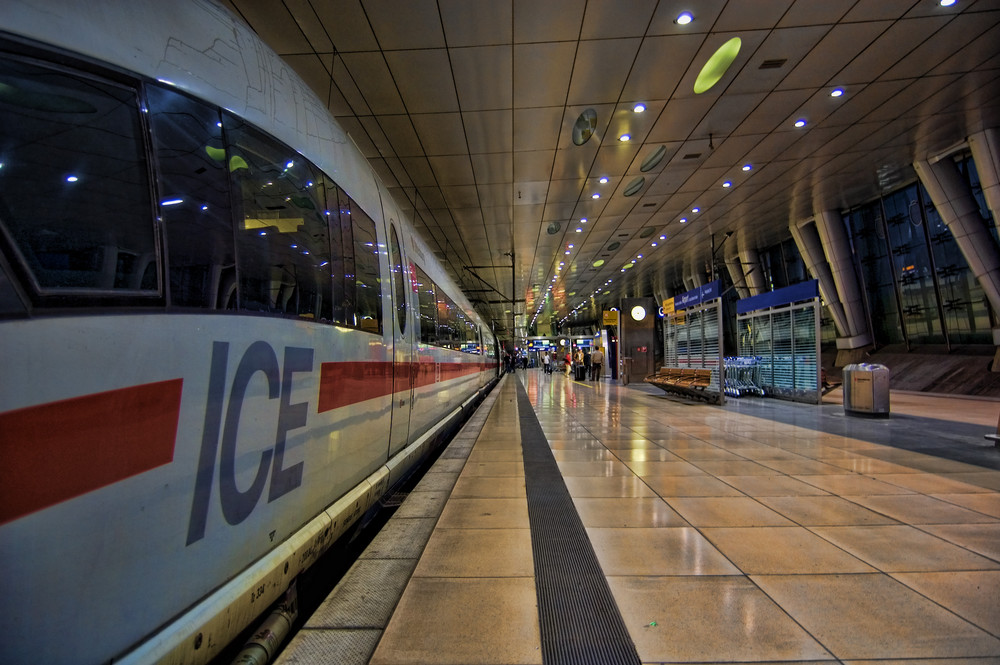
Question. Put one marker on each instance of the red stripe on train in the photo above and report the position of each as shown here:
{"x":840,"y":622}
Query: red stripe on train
{"x":346,"y":383}
{"x":56,"y":451}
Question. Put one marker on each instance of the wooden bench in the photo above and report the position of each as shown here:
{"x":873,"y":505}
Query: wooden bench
{"x":685,"y":381}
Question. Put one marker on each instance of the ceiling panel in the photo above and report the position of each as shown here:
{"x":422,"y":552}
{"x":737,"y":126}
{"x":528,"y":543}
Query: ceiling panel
{"x":476,"y":23}
{"x":600,"y":70}
{"x":475,"y":92}
{"x":424,"y":80}
{"x":413,"y":24}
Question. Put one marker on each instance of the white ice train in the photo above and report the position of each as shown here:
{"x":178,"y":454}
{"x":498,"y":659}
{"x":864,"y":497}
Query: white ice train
{"x":220,"y":341}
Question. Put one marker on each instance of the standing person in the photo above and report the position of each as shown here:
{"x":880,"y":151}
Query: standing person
{"x":569,"y":363}
{"x":545,"y":362}
{"x":596,"y":360}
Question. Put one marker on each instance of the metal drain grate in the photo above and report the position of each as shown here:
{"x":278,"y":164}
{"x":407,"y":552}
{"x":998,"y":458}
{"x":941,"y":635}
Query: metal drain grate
{"x":580,"y":622}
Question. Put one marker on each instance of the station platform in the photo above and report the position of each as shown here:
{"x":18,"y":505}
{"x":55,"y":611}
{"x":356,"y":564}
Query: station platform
{"x":586,"y":522}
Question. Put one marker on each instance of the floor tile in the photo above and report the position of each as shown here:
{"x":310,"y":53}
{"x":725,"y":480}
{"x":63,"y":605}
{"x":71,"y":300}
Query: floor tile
{"x":988,"y":504}
{"x":676,"y":468}
{"x":495,"y":469}
{"x":932,"y":484}
{"x":463,"y":513}
{"x":874,"y":616}
{"x":981,"y":538}
{"x":496,"y":455}
{"x":485,"y":487}
{"x":582,"y":455}
{"x":708,"y":619}
{"x":920,"y":509}
{"x":868,"y":466}
{"x":607,"y":487}
{"x":670,"y":486}
{"x":627,"y":512}
{"x":782,"y":550}
{"x":457,"y":622}
{"x":902,"y":548}
{"x":645,"y":455}
{"x":824,"y":511}
{"x":663,"y":551}
{"x":726,"y":511}
{"x":802,"y":467}
{"x":772,"y":485}
{"x":853,"y":485}
{"x":599,"y":469}
{"x":731,"y":468}
{"x":973,"y":595}
{"x":477,"y":553}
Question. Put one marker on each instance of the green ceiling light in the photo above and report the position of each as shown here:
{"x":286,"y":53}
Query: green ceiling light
{"x":717,"y":65}
{"x":598,"y":263}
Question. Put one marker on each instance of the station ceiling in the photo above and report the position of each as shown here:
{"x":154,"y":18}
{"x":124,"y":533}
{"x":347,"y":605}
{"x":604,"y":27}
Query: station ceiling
{"x":474,"y":114}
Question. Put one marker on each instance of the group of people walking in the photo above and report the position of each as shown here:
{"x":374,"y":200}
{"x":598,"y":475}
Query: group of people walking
{"x":583,"y":364}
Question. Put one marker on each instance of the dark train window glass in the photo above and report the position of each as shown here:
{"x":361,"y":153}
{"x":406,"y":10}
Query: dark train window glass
{"x":447,"y":335}
{"x":282,"y":239}
{"x":342,"y":265}
{"x":367,"y":280}
{"x":399,"y":276}
{"x":192,"y":169}
{"x":428,"y":307}
{"x":75,"y":203}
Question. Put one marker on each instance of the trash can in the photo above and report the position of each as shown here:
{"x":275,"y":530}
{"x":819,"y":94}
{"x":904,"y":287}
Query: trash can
{"x":866,"y":390}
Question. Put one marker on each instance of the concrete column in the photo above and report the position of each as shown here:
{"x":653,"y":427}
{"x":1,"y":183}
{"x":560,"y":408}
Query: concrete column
{"x":959,"y":211}
{"x":837,"y":249}
{"x":735,"y":269}
{"x":753,"y":273}
{"x":985,"y":147}
{"x":811,"y":249}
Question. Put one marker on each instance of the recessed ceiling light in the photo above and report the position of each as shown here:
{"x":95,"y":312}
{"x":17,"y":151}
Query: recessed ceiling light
{"x":638,"y":108}
{"x":583,"y":220}
{"x":624,"y":138}
{"x":727,"y":184}
{"x":837,"y":92}
{"x":684,"y":18}
{"x":947,"y":3}
{"x":801,"y":122}
{"x":579,"y":230}
{"x":747,"y":167}
{"x":663,"y":237}
{"x":603,"y":180}
{"x":684,"y":220}
{"x":696,"y":210}
{"x":653,"y":245}
{"x":595,"y":196}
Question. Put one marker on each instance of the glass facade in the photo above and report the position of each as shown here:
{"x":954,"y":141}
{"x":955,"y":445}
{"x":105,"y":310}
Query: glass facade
{"x":914,"y":281}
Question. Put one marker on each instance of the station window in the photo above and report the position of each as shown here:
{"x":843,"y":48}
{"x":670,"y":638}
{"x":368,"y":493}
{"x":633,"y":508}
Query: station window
{"x":282,"y":239}
{"x":398,"y":271}
{"x":75,"y":211}
{"x":427,"y":299}
{"x":192,"y":173}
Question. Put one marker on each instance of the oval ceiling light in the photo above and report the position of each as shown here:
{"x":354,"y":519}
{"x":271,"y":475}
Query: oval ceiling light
{"x":598,"y":263}
{"x":613,"y":246}
{"x":634,"y":186}
{"x":639,"y":108}
{"x":584,"y":127}
{"x":554,"y":228}
{"x":801,"y":122}
{"x":625,"y":138}
{"x":653,"y":159}
{"x":603,"y":180}
{"x":717,"y":65}
{"x":648,"y":231}
{"x":748,"y":167}
{"x":684,"y":18}
{"x":837,"y":92}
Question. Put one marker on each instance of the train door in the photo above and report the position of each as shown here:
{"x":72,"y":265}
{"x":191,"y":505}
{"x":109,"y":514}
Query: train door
{"x":402,"y":345}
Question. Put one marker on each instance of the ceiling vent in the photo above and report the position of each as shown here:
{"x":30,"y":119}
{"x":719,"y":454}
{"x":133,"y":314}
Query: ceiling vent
{"x":692,"y":155}
{"x":773,"y":64}
{"x":648,"y":205}
{"x":623,"y":235}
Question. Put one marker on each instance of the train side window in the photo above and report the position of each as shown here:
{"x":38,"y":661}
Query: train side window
{"x":367,"y":279}
{"x":75,"y":208}
{"x":398,"y":277}
{"x":282,"y":238}
{"x":447,"y":323}
{"x":428,"y":307}
{"x":194,"y":200}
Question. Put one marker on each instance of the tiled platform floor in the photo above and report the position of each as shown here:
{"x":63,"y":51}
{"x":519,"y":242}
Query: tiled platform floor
{"x":724,"y":536}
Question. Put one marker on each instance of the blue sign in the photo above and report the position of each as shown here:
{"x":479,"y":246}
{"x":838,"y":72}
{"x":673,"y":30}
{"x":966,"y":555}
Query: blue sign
{"x":789,"y":294}
{"x":697,"y":296}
